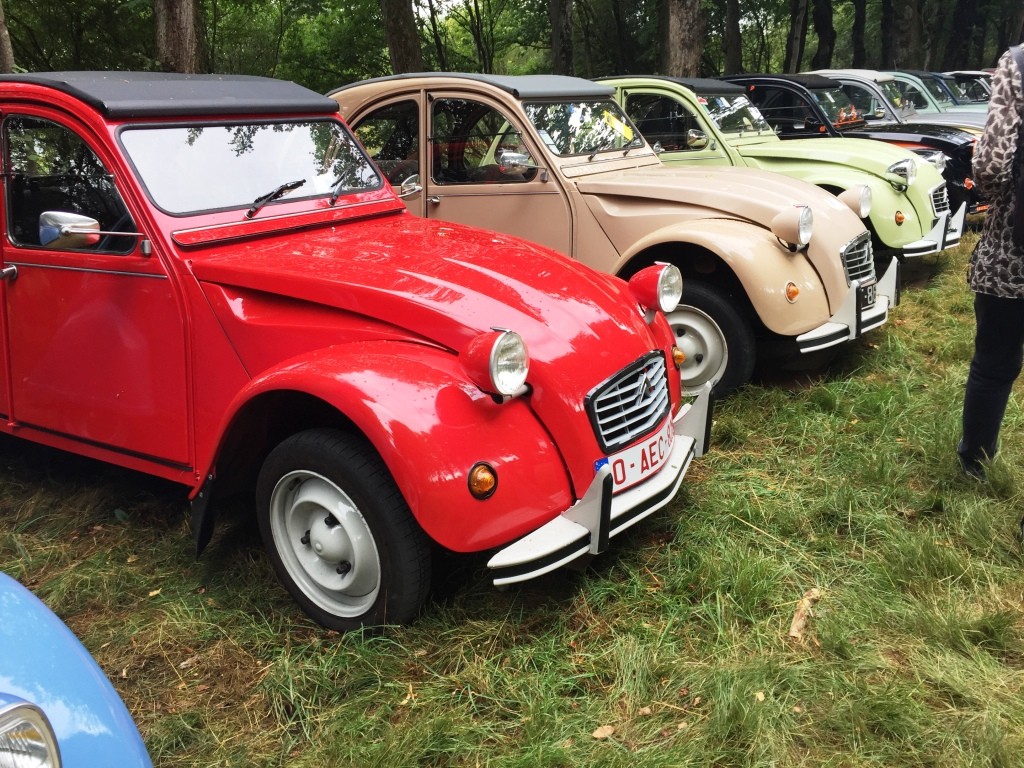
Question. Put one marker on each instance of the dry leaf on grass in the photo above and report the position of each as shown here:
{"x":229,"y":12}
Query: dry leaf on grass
{"x":410,"y":697}
{"x":804,"y":610}
{"x":603,"y":732}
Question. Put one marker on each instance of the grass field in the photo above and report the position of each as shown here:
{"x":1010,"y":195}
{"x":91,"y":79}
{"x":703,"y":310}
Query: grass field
{"x":673,"y":649}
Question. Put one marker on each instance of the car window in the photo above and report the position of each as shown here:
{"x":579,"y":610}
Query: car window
{"x":786,"y":110}
{"x":391,"y":135}
{"x":913,"y":96}
{"x":865,"y":101}
{"x":939,"y":94}
{"x":583,"y":127}
{"x":837,"y":106}
{"x":733,"y":114}
{"x":52,"y":169}
{"x":221,"y":166}
{"x":469,"y":141}
{"x":662,"y":120}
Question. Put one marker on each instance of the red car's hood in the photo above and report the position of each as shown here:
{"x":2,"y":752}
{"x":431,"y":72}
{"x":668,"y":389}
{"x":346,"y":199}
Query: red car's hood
{"x":441,"y":282}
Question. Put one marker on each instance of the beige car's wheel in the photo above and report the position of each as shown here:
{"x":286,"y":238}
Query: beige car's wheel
{"x":716,"y":339}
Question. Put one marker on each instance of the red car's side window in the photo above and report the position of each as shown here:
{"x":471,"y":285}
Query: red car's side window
{"x":51,"y":169}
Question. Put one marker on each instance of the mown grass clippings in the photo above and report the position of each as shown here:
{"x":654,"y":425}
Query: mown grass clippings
{"x":672,"y":649}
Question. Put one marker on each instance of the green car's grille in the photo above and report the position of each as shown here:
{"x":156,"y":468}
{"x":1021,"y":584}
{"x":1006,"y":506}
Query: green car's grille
{"x":940,"y":200}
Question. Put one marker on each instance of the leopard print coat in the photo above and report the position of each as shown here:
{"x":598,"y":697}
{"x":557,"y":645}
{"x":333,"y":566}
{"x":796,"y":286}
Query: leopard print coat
{"x":997,"y":265}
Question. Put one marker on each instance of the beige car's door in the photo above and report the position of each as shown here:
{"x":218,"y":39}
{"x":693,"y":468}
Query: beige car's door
{"x":482,"y":169}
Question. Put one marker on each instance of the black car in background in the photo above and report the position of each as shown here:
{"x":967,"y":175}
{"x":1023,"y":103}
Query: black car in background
{"x":808,"y":105}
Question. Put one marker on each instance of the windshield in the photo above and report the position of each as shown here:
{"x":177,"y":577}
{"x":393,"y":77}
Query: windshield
{"x":937,"y":92}
{"x":891,"y":90}
{"x":837,"y":106}
{"x":583,"y":127}
{"x":192,"y":168}
{"x":733,"y":114}
{"x":955,"y":89}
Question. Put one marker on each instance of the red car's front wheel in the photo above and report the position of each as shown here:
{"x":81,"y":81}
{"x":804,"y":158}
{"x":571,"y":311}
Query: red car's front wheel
{"x":339,"y":533}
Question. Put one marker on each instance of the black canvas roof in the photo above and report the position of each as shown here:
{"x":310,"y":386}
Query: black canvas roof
{"x":806,"y":80}
{"x":924,"y":73}
{"x":520,"y":86}
{"x":695,"y":84}
{"x":124,"y":95}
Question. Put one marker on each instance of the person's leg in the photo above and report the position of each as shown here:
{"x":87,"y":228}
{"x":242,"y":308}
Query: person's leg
{"x":998,"y":357}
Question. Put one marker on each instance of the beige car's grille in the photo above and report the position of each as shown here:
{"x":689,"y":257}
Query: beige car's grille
{"x":859,"y":262}
{"x":940,"y":200}
{"x":631,"y":403}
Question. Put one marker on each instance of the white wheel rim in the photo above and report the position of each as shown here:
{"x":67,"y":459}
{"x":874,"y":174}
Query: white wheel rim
{"x":703,"y":343}
{"x":325,"y":544}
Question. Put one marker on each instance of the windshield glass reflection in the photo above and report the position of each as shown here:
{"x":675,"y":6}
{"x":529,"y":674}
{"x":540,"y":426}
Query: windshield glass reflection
{"x":192,"y":168}
{"x":583,"y":128}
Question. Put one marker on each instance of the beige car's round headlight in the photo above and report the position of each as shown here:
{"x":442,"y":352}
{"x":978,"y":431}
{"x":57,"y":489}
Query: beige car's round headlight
{"x":794,"y":226}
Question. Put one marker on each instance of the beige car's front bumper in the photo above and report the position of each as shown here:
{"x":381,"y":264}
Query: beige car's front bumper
{"x":851,"y":321}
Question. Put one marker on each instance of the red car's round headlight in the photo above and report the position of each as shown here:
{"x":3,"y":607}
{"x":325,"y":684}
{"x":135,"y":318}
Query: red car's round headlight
{"x":658,"y":287}
{"x":497,"y":362}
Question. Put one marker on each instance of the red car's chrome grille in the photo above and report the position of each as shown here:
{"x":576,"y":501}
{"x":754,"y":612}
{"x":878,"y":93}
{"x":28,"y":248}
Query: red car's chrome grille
{"x":631,"y":403}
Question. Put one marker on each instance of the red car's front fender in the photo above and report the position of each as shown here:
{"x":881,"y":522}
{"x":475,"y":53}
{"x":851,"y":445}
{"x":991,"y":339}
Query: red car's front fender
{"x":431,"y":426}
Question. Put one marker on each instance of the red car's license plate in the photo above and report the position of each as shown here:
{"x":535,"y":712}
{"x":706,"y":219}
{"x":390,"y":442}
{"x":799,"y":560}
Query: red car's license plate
{"x":638,"y":462}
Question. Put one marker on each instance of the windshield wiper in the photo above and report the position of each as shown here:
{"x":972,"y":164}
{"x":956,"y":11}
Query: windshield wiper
{"x":272,"y":195}
{"x":336,"y":190}
{"x":608,"y":145}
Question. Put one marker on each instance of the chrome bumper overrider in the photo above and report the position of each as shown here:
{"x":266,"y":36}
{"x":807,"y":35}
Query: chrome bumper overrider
{"x":849,"y":322}
{"x":587,"y":525}
{"x":945,"y":234}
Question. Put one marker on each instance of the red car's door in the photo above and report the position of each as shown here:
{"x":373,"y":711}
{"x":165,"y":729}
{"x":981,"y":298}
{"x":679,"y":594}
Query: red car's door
{"x":94,"y":338}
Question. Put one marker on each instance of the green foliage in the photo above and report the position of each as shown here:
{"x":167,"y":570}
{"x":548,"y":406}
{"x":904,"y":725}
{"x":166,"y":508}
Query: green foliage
{"x":81,"y":34}
{"x":325,"y":45}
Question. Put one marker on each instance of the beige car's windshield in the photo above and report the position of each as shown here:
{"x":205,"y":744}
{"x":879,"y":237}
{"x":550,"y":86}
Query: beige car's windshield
{"x":583,"y":127}
{"x":733,"y":114}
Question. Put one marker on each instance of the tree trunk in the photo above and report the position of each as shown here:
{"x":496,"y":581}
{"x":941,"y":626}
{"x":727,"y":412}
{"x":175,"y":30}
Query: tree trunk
{"x":887,"y":33}
{"x":860,"y":15}
{"x":826,"y":32}
{"x":624,"y":46}
{"x":906,"y":36}
{"x":435,"y":35}
{"x":733,"y":41}
{"x":6,"y":52}
{"x":797,"y":36}
{"x":178,"y":42}
{"x":682,"y":42}
{"x":1010,"y":30}
{"x":401,"y":35}
{"x":560,"y":12}
{"x":964,"y":16}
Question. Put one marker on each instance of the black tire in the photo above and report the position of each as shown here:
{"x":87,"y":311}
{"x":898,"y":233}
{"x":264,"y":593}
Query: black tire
{"x":339,"y":534}
{"x":716,"y":337}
